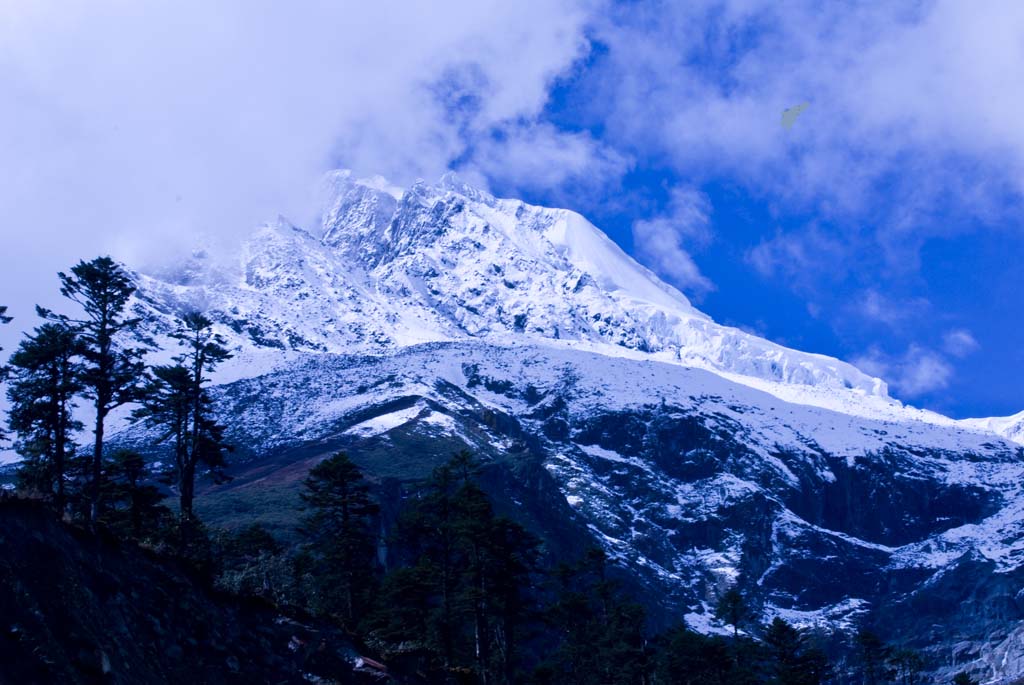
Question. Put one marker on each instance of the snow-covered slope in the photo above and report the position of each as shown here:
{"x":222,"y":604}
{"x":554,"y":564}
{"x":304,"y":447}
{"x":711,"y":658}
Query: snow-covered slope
{"x":1009,"y":427}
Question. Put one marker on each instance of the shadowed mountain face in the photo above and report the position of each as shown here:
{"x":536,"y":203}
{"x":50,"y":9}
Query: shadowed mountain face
{"x":611,"y":412}
{"x":689,"y":481}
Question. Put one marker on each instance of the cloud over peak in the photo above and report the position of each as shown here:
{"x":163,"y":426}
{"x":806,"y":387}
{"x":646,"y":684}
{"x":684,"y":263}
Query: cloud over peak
{"x":129,"y":127}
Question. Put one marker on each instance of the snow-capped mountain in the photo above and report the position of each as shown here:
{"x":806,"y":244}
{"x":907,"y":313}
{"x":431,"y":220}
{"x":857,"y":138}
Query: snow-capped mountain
{"x":413,"y":322}
{"x":388,"y":268}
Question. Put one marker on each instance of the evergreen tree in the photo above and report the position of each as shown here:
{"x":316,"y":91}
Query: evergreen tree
{"x":46,"y":377}
{"x":254,"y":563}
{"x":732,"y":609}
{"x":113,"y":370}
{"x":907,"y":666}
{"x":427,"y":531}
{"x":496,"y":559}
{"x":404,"y":619}
{"x":131,"y":504}
{"x":785,"y":644}
{"x":204,"y":351}
{"x":793,"y":660}
{"x":167,"y":405}
{"x":963,"y":678}
{"x":873,"y":654}
{"x":432,"y":523}
{"x":512,"y":562}
{"x":4,"y":319}
{"x":600,"y":636}
{"x":177,"y":398}
{"x":340,"y":545}
{"x":689,"y":658}
{"x":463,"y":601}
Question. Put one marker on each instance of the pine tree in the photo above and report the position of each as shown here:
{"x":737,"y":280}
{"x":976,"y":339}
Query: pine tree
{"x":732,"y":609}
{"x":469,"y":580}
{"x":784,"y":642}
{"x":204,"y":351}
{"x":426,"y":532}
{"x":600,"y":636}
{"x":472,"y":525}
{"x":404,"y":616}
{"x":4,"y":319}
{"x":46,"y":377}
{"x":794,"y":661}
{"x":907,"y":666}
{"x":496,"y":557}
{"x":254,"y":563}
{"x":131,"y":505}
{"x":689,"y":658}
{"x":963,"y":678}
{"x":512,"y":553}
{"x":873,"y":655}
{"x":112,"y":347}
{"x":167,"y":405}
{"x":340,"y":544}
{"x":177,"y":399}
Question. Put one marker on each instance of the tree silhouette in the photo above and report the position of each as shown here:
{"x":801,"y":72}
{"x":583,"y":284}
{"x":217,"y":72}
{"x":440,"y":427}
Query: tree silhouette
{"x":340,"y":545}
{"x":177,"y":399}
{"x":732,"y":609}
{"x":4,"y":319}
{"x":112,"y":349}
{"x":46,"y":377}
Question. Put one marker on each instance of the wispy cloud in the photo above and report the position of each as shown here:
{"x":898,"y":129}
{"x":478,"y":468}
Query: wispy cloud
{"x":803,"y":258}
{"x":660,"y":242}
{"x":542,"y":158}
{"x":916,"y":372}
{"x":874,"y":305}
{"x":959,"y":343}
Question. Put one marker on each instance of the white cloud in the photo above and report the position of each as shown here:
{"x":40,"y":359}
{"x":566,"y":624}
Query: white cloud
{"x":959,"y":342}
{"x":801,"y":257}
{"x":130,"y":127}
{"x":543,"y":158}
{"x":892,"y":87}
{"x":916,"y":372}
{"x":659,"y":242}
{"x":893,"y":312}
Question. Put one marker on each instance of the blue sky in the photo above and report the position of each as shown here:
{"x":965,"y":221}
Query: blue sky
{"x":885,"y":227}
{"x":909,"y":279}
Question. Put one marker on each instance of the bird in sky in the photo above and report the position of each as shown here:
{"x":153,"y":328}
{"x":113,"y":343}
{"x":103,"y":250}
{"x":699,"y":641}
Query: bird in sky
{"x":790,"y":115}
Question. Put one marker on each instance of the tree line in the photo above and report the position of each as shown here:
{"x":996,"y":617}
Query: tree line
{"x":463,"y":595}
{"x":455,"y":593}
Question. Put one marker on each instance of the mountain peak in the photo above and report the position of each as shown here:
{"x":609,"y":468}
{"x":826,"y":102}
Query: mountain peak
{"x":389,"y":267}
{"x":451,"y":181}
